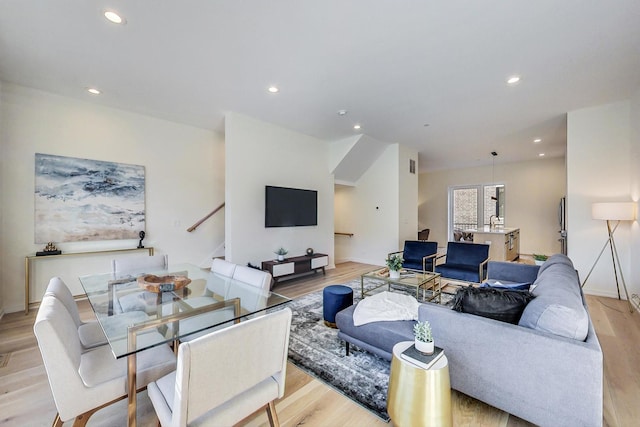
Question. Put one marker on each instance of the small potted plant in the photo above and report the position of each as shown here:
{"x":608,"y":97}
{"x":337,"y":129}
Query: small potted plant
{"x":394,"y":262}
{"x":539,"y":259}
{"x":281,"y":252}
{"x":423,"y":337}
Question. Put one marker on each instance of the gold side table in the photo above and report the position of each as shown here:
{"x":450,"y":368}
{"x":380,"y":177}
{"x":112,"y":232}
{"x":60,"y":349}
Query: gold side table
{"x":417,"y":396}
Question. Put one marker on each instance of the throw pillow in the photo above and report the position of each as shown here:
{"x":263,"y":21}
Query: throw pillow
{"x":498,"y":304}
{"x":497,"y":284}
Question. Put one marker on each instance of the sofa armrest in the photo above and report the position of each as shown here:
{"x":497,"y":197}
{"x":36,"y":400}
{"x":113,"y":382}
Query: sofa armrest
{"x":541,"y":377}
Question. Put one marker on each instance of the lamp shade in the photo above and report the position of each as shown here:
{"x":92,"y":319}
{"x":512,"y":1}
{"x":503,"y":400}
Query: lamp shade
{"x":617,"y":211}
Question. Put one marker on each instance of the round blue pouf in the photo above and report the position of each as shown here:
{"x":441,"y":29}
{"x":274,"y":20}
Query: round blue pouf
{"x":334,"y":299}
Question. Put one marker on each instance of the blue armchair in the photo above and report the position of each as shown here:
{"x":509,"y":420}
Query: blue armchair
{"x":418,"y":255}
{"x":465,"y":261}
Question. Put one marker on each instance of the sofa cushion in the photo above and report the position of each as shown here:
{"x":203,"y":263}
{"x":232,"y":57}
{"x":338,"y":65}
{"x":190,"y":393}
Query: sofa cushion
{"x":382,"y":335}
{"x":459,"y":272}
{"x":498,"y":304}
{"x":558,"y":307}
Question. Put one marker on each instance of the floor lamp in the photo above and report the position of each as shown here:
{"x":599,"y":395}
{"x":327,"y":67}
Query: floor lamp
{"x":610,"y":212}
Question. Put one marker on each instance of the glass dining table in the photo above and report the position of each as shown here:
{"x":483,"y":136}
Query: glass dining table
{"x":134,"y":318}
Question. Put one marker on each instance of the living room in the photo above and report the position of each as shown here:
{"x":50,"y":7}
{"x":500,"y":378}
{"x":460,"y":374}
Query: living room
{"x":197,"y":184}
{"x":190,"y":169}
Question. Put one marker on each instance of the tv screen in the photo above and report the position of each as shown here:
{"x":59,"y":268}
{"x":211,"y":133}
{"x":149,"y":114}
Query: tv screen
{"x":290,"y":207}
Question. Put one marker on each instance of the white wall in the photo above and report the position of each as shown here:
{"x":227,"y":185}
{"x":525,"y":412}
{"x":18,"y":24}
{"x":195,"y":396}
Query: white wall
{"x":408,"y":195}
{"x":344,"y":221}
{"x":373,"y":208}
{"x":600,"y":164}
{"x":184,"y":169}
{"x":634,"y":279}
{"x":3,"y":156}
{"x":259,"y":154}
{"x":533,"y":192}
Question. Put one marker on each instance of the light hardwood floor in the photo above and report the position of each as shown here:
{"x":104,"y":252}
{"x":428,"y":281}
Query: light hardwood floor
{"x":25,"y":399}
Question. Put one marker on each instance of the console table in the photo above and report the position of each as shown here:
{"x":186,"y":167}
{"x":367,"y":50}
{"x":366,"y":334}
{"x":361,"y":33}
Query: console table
{"x":29,"y":258}
{"x":296,"y":265}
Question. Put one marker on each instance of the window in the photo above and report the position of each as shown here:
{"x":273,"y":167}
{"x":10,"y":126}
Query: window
{"x":474,"y":206}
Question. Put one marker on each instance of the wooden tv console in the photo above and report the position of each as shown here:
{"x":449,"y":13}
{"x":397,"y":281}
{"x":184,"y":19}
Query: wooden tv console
{"x":296,"y":265}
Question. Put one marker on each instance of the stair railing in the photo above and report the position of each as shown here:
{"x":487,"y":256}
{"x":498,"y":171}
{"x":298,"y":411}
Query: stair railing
{"x":209,"y":215}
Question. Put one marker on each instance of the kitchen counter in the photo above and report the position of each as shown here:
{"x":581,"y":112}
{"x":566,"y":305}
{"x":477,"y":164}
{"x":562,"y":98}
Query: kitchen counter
{"x":504,"y":241}
{"x":494,"y":230}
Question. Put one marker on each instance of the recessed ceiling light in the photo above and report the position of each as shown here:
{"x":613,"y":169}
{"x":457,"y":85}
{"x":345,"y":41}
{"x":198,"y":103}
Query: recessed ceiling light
{"x":541,"y":155}
{"x":273,"y":89}
{"x":114,"y":17}
{"x":537,"y":140}
{"x":342,"y":112}
{"x":93,"y":91}
{"x":356,"y":127}
{"x":513,"y":80}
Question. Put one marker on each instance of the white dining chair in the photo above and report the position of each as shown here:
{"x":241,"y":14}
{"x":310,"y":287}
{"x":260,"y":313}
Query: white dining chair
{"x":253,"y":276}
{"x":127,"y":296}
{"x":223,"y":267}
{"x":226,"y":375}
{"x":90,"y":333}
{"x":252,"y":299}
{"x":84,"y":382}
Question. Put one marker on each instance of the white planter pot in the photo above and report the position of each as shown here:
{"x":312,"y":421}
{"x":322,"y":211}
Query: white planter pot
{"x":538,"y":262}
{"x":424,"y":347}
{"x":280,"y":257}
{"x":394,"y":274}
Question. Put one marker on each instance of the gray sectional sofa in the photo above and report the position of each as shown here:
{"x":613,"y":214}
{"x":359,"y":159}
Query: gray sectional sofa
{"x":547,"y":369}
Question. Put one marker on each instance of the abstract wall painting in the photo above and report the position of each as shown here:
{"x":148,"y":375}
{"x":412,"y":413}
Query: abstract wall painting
{"x":85,"y":200}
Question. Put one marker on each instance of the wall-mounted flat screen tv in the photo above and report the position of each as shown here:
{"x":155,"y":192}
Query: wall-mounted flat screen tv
{"x":290,"y":207}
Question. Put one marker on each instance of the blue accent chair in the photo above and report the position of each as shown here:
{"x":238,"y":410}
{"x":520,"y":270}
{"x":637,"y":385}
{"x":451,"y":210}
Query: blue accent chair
{"x":465,"y":261}
{"x":418,"y":255}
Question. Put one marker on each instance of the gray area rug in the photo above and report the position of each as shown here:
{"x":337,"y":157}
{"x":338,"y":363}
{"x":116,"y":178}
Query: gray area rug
{"x":316,"y":349}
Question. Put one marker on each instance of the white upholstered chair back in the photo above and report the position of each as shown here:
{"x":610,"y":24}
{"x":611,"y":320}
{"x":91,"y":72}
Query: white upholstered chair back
{"x":223,"y":267}
{"x":83,"y":382}
{"x":252,"y":276}
{"x":90,"y":333}
{"x":61,"y":352}
{"x":139,"y":263}
{"x":61,"y":291}
{"x":226,"y":375}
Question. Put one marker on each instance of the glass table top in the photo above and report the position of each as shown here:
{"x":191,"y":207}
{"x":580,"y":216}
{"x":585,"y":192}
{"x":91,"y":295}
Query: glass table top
{"x":210,"y":301}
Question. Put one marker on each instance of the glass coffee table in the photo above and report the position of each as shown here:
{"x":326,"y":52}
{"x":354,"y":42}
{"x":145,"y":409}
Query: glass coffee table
{"x":425,"y":281}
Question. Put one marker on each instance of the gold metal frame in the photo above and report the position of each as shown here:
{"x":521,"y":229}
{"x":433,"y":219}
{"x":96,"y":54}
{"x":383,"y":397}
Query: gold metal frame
{"x":428,"y":277}
{"x":133,"y":330}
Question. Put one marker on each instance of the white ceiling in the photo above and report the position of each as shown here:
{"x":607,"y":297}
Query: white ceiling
{"x":394,"y":65}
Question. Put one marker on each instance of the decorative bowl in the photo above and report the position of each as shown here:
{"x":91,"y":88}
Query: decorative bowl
{"x":153,"y":283}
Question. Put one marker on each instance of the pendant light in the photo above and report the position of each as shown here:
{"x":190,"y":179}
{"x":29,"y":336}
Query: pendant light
{"x":493,"y":173}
